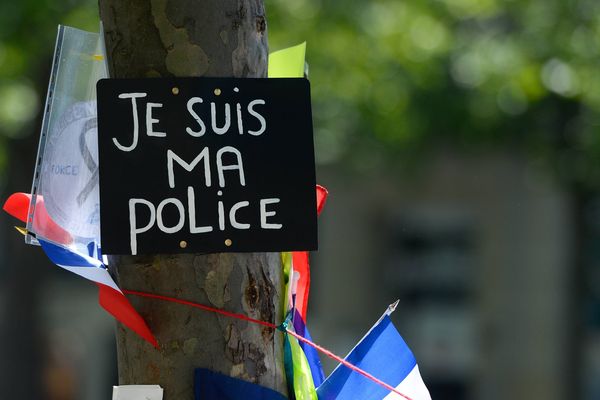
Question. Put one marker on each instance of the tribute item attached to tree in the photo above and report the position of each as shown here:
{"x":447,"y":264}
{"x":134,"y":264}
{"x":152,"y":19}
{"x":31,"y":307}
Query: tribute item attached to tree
{"x":199,"y":165}
{"x":206,"y":165}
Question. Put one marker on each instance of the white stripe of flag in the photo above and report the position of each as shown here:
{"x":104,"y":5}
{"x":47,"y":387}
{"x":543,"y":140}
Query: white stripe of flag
{"x":382,"y":353}
{"x":77,"y":263}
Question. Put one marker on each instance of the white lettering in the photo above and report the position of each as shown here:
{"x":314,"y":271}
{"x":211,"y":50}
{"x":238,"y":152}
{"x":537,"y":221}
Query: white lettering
{"x":238,"y":165}
{"x":133,"y":229}
{"x":213,"y":116}
{"x":192,"y":214}
{"x":240,"y":123}
{"x":221,"y":210}
{"x":260,"y":118}
{"x":151,"y":121}
{"x":136,"y":125}
{"x":171,"y":156}
{"x":159,"y":217}
{"x":232,"y":213}
{"x":264,"y":214}
{"x":190,"y":105}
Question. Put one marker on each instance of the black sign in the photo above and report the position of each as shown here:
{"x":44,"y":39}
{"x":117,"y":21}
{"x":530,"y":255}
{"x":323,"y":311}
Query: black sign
{"x":206,"y":165}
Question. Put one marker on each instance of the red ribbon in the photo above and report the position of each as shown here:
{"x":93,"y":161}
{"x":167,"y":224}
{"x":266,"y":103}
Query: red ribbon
{"x":18,"y":204}
{"x":272,"y":326}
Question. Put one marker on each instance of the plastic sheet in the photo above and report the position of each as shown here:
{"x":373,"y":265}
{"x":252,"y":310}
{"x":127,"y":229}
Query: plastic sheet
{"x":66,"y":172}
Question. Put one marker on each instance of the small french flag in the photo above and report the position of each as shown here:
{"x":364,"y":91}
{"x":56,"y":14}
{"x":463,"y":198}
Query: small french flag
{"x":382,"y":353}
{"x":56,"y":243}
{"x":110,"y":297}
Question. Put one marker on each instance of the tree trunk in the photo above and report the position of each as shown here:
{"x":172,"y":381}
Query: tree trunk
{"x":195,"y":38}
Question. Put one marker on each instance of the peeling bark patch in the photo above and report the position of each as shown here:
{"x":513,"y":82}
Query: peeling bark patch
{"x":258,"y":295}
{"x":267,"y":311}
{"x":174,"y":345}
{"x":241,"y":12}
{"x":189,"y":346}
{"x":215,"y":285}
{"x":255,"y":363}
{"x":153,"y":372}
{"x":234,"y":349}
{"x":252,"y":293}
{"x":249,"y":58}
{"x":238,"y":371}
{"x":237,"y":18}
{"x":115,"y":38}
{"x":224,"y":37}
{"x":267,"y":334}
{"x":261,"y":24}
{"x":187,"y":60}
{"x":248,"y":359}
{"x":183,"y":58}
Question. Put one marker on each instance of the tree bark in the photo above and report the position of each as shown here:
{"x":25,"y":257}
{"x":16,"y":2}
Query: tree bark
{"x":195,"y":38}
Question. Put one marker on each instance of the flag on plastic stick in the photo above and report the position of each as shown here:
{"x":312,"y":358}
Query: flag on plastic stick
{"x":110,"y":296}
{"x":210,"y":385}
{"x":383,"y":354}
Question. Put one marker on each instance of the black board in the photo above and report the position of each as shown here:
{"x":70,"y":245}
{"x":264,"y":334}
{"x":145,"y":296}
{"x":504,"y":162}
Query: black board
{"x":266,"y":172}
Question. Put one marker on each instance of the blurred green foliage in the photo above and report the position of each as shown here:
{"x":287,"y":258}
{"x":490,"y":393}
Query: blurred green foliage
{"x":394,"y":79}
{"x":27,"y":36}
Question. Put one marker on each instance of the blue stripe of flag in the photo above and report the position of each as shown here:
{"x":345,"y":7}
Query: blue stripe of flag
{"x":62,"y":256}
{"x":382,"y":353}
{"x":314,"y":362}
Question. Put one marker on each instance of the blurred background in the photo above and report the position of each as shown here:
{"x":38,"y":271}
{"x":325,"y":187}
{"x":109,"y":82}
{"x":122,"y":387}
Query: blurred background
{"x":460,"y":143}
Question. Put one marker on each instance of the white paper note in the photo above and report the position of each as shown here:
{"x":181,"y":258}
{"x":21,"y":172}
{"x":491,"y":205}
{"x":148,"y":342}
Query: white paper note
{"x":137,"y":392}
